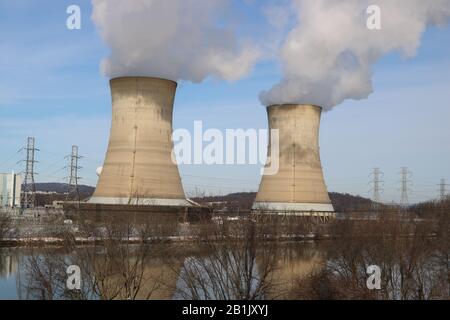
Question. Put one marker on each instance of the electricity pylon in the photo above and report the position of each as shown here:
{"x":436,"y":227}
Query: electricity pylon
{"x":377,"y":188}
{"x":73,"y":194}
{"x":28,"y":195}
{"x":405,"y":186}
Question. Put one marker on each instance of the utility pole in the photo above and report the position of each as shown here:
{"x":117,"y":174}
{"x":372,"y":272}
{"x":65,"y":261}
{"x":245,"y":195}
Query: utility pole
{"x":73,"y":193}
{"x":28,"y":195}
{"x":376,"y":188}
{"x":405,"y":184}
{"x":443,"y":189}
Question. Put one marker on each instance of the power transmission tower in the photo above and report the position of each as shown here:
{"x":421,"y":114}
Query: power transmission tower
{"x":73,"y":193}
{"x":405,"y":184}
{"x":376,"y":188}
{"x":28,"y":195}
{"x":443,"y":189}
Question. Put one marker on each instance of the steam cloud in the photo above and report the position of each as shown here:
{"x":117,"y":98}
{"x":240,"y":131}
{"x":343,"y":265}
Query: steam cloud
{"x":172,"y":39}
{"x":328,"y":56}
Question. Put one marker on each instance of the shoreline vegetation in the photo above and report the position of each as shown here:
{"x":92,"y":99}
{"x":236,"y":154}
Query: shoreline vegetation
{"x":52,"y":226}
{"x":130,"y":258}
{"x":39,"y":242}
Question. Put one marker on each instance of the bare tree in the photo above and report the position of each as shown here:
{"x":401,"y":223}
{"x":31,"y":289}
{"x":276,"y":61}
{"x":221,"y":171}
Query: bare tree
{"x":120,"y":264}
{"x":5,"y":225}
{"x":413,"y":261}
{"x":233,"y":262}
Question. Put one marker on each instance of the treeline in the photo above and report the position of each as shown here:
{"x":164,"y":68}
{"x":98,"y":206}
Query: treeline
{"x":243,"y":201}
{"x":431,"y":208}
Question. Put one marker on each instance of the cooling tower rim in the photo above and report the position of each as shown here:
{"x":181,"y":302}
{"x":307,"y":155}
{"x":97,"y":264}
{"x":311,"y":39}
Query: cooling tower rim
{"x":293,"y":206}
{"x":142,"y":78}
{"x":284,"y":105}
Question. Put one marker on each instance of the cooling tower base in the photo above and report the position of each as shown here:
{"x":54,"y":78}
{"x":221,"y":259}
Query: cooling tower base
{"x":294,"y":209}
{"x":141,"y":202}
{"x":159,"y":214}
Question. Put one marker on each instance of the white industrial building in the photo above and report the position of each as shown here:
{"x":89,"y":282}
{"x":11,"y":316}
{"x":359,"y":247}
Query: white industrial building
{"x":10,"y":188}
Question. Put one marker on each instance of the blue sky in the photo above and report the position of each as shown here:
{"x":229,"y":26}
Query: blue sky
{"x":51,"y":88}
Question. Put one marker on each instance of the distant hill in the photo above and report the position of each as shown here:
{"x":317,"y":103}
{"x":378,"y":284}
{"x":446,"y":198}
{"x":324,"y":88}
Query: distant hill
{"x":62,"y":188}
{"x":58,"y":192}
{"x":234,"y":201}
{"x":430,"y":208}
{"x":244,"y":201}
{"x":344,"y":202}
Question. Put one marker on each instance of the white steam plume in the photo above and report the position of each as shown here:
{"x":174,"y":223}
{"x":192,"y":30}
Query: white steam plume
{"x":328,"y":57}
{"x":172,"y":39}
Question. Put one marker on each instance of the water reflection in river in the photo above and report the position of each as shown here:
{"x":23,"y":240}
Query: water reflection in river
{"x":41,"y":273}
{"x":295,"y":270}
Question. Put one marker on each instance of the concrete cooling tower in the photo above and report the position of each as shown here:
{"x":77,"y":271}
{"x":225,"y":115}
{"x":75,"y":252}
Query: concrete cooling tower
{"x":299,"y":185}
{"x":138,"y":169}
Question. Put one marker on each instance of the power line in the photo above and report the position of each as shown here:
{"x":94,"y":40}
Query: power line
{"x":10,"y":158}
{"x":52,"y":166}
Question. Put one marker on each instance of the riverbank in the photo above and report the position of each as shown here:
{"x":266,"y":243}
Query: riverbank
{"x":80,"y":241}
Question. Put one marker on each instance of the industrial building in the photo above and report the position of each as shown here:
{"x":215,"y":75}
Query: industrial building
{"x":299,"y":187}
{"x":138,"y":169}
{"x":10,"y":189}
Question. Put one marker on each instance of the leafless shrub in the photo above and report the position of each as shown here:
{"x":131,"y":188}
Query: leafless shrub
{"x":5,"y":225}
{"x":43,"y":276}
{"x":235,"y":262}
{"x":119,"y":265}
{"x":413,"y":261}
{"x":242,"y":258}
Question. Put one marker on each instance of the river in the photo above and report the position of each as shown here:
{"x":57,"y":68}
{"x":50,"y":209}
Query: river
{"x":18,"y":273}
